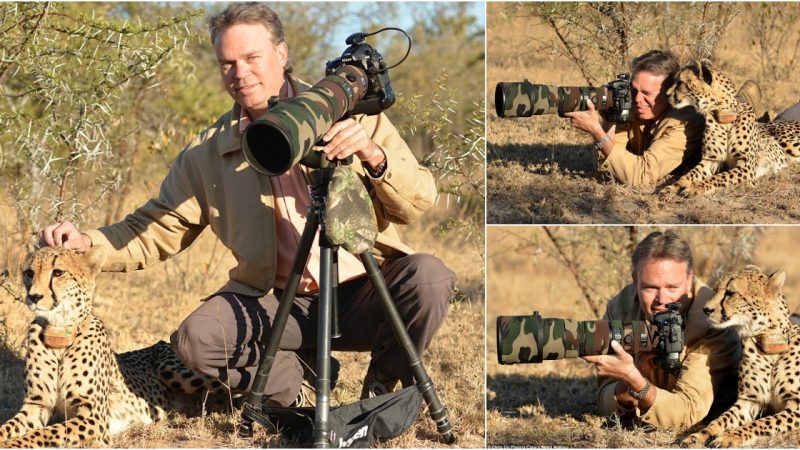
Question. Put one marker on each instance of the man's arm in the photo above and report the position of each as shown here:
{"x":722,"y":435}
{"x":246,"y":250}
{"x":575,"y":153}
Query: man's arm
{"x":617,"y":374}
{"x":405,"y":190}
{"x":161,"y":228}
{"x":663,"y":156}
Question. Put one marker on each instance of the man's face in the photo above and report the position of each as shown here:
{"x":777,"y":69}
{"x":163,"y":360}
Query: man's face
{"x":661,"y":282}
{"x":251,"y":65}
{"x":650,"y":101}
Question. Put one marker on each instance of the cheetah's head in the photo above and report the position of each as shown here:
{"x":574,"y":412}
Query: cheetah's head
{"x":749,"y":300}
{"x":60,"y":283}
{"x":703,"y":87}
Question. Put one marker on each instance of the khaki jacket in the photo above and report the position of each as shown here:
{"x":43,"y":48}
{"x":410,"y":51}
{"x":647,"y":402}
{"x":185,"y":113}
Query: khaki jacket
{"x":211,"y":185}
{"x":708,"y":376}
{"x":644,"y":153}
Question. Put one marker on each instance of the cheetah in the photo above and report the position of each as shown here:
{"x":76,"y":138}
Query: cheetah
{"x":71,"y":370}
{"x":732,"y":139}
{"x":769,"y":371}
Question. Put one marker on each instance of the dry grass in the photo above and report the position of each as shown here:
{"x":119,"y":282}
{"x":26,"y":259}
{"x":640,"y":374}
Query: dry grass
{"x":143,"y":307}
{"x":541,"y":170}
{"x":553,"y":404}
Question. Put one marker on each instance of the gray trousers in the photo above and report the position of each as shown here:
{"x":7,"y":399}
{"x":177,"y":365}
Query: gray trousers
{"x":225,"y":336}
{"x":791,"y":114}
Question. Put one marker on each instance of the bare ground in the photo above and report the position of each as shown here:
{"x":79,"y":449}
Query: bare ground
{"x":557,"y":184}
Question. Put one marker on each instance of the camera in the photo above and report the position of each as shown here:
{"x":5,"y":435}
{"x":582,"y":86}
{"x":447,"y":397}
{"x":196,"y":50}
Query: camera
{"x":355,"y":83}
{"x":533,"y":339}
{"x":524,"y":99}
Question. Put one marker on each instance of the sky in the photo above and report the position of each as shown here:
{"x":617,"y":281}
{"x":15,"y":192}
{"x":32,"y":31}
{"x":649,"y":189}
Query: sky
{"x":478,"y":9}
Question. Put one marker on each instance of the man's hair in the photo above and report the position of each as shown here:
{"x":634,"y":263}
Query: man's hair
{"x":658,"y":62}
{"x":251,"y":12}
{"x":658,"y":246}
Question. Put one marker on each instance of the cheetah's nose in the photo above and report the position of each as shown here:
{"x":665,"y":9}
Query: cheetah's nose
{"x":34,"y":298}
{"x":708,"y":311}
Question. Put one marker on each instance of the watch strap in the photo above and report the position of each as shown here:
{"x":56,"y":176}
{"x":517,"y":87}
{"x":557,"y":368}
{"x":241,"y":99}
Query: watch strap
{"x":638,"y":395}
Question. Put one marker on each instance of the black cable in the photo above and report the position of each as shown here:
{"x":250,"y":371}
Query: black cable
{"x":394,"y":29}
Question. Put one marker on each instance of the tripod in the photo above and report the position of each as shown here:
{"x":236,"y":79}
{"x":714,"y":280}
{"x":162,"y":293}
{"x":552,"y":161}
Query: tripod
{"x":328,"y":281}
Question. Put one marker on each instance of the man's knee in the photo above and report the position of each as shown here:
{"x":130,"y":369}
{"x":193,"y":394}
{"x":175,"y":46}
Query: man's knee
{"x":433,"y":282}
{"x":194,"y":342}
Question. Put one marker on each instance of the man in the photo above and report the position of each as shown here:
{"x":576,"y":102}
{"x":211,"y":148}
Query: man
{"x":637,"y":387}
{"x":660,"y":140}
{"x":259,"y":219}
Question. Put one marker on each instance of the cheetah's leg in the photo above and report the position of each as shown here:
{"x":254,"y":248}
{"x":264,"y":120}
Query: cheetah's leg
{"x":712,"y":161}
{"x":786,"y":420}
{"x":743,"y":172}
{"x":88,"y":426}
{"x":174,"y":374}
{"x":703,"y":171}
{"x":741,"y":412}
{"x":41,"y":377}
{"x":742,"y":152}
{"x":787,"y":134}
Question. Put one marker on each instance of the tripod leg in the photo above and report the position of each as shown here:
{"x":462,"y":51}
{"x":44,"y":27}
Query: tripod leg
{"x":252,"y":407}
{"x":436,"y":409}
{"x":322,"y":427}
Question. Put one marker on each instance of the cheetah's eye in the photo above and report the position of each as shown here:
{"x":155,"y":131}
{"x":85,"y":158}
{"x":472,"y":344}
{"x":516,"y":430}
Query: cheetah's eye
{"x":57,"y":272}
{"x":28,"y":274}
{"x":729,"y":293}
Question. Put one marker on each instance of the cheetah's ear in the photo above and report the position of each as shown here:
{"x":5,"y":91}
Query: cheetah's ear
{"x":705,"y":71}
{"x":32,"y":245}
{"x":95,"y":258}
{"x":776,"y":281}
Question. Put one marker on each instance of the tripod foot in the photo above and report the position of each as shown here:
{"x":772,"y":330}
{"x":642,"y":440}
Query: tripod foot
{"x":245,"y":429}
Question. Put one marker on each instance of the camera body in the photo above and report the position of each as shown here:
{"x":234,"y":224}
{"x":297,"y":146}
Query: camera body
{"x":622,"y":94}
{"x":669,"y":327}
{"x":524,"y":99}
{"x":380,"y":94}
{"x":533,"y":339}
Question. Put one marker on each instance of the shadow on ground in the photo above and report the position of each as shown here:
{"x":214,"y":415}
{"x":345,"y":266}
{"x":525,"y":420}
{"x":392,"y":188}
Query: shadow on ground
{"x":557,"y":395}
{"x":12,"y":383}
{"x":558,"y":184}
{"x":572,"y":158}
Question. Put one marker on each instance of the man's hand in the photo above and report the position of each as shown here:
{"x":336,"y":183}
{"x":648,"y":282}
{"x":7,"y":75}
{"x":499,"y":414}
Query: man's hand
{"x":587,"y":121}
{"x":348,"y":137}
{"x":66,"y":235}
{"x":645,"y":362}
{"x":619,"y":366}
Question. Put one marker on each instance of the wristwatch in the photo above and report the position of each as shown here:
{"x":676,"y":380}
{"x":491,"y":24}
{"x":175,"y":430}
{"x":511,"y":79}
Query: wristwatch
{"x":638,"y":395}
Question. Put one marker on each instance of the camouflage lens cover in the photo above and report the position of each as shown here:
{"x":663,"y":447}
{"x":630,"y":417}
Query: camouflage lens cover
{"x":349,"y":216}
{"x":533,"y":339}
{"x":284,"y":134}
{"x":524,"y":99}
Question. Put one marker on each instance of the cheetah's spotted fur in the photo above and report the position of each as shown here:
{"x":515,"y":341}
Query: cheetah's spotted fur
{"x":746,"y":150}
{"x":98,"y":392}
{"x":751,"y":301}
